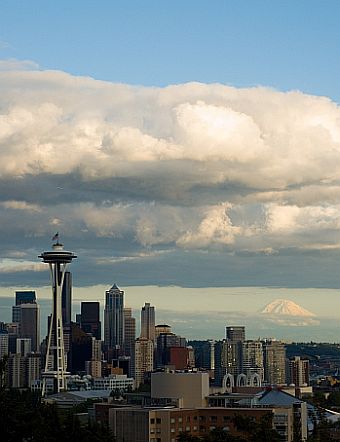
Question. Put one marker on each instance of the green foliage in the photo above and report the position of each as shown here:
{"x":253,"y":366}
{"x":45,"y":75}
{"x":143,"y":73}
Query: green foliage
{"x":261,"y":431}
{"x":252,"y":431}
{"x":24,"y":417}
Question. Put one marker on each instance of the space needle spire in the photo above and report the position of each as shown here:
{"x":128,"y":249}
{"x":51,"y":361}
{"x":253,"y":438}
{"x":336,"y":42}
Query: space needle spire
{"x":55,"y":365}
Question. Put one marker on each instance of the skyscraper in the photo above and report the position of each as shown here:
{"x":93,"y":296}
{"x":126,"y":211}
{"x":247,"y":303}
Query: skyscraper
{"x":114,"y":319}
{"x":30,"y":324}
{"x":3,"y":343}
{"x":274,"y":362}
{"x":235,"y":333}
{"x":148,"y":322}
{"x":298,"y":371}
{"x":129,"y":338}
{"x":90,"y":322}
{"x":25,"y":297}
{"x":24,"y":346}
{"x":252,"y":358}
{"x":235,"y":336}
{"x":22,"y":297}
{"x":66,"y":299}
{"x":143,"y":359}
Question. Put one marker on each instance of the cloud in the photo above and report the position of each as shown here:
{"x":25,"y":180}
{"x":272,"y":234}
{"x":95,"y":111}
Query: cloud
{"x":21,"y":205}
{"x":15,"y":266}
{"x":11,"y":64}
{"x":191,"y":166}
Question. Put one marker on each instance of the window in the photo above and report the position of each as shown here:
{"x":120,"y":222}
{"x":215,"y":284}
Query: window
{"x":172,"y":420}
{"x":194,"y":428}
{"x":158,"y":420}
{"x":180,"y":429}
{"x":152,"y":421}
{"x":213,"y":418}
{"x":187,"y":428}
{"x":226,"y":418}
{"x":172,"y":430}
{"x":179,"y":419}
{"x":188,"y":418}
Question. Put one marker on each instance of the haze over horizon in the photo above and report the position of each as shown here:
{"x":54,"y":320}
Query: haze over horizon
{"x":179,"y":146}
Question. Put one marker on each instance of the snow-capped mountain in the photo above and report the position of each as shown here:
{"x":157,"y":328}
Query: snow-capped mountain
{"x":285,"y":307}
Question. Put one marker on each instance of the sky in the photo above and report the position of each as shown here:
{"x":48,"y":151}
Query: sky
{"x":172,"y":144}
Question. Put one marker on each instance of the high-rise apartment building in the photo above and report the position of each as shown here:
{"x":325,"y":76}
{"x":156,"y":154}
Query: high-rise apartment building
{"x":3,"y":343}
{"x":30,"y":324}
{"x":114,"y":319}
{"x":148,"y":322}
{"x":235,"y":333}
{"x":90,"y":319}
{"x":274,"y":362}
{"x":298,"y":371}
{"x":144,"y":349}
{"x":252,"y":358}
{"x":235,"y":336}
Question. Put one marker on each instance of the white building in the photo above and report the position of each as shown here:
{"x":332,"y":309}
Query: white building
{"x":113,"y":382}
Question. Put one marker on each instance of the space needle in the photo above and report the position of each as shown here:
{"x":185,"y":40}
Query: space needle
{"x":55,"y":365}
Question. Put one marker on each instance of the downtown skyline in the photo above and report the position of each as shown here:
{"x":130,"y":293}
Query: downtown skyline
{"x":172,"y":156}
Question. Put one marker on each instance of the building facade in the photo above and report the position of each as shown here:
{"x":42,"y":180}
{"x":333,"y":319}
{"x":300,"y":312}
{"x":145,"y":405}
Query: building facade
{"x":114,"y":319}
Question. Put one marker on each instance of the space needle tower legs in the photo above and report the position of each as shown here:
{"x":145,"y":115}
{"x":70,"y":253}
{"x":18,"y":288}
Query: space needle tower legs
{"x":55,"y":365}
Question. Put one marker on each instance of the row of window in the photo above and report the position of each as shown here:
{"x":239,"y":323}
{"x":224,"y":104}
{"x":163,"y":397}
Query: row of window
{"x":194,"y":428}
{"x":201,"y":418}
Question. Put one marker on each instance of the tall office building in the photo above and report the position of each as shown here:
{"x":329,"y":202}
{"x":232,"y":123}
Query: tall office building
{"x":148,"y":322}
{"x":129,"y":338}
{"x":161,"y":329}
{"x":66,"y":299}
{"x":274,"y":362}
{"x":25,"y":297}
{"x":13,"y":334}
{"x":114,"y":319}
{"x":22,"y":297}
{"x":204,"y":352}
{"x":143,"y":359}
{"x":90,"y":322}
{"x":24,"y":346}
{"x":164,"y":342}
{"x":30,"y":324}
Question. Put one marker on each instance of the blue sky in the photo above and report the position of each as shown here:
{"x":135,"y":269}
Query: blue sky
{"x":284,"y":44}
{"x":174,"y":144}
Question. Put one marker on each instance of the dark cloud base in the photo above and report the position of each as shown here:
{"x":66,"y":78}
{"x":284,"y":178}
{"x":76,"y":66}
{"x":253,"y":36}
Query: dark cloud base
{"x":189,"y":269}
